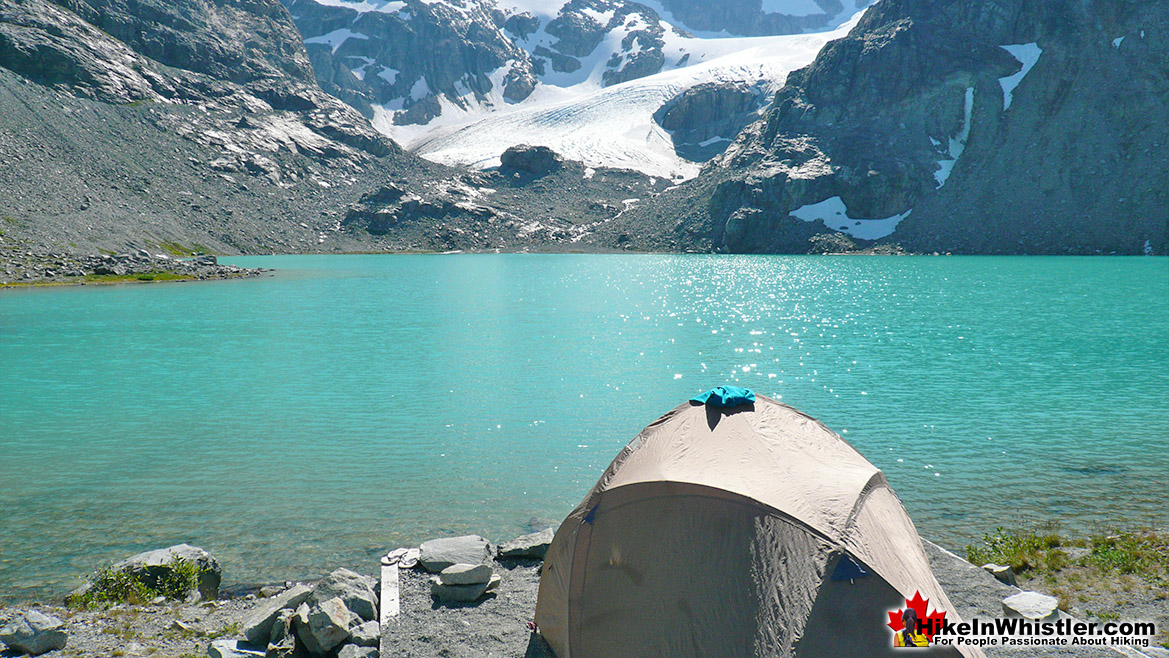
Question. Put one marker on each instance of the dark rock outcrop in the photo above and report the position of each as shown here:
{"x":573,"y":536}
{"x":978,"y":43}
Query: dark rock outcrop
{"x":409,"y":58}
{"x":535,"y":160}
{"x":705,"y":118}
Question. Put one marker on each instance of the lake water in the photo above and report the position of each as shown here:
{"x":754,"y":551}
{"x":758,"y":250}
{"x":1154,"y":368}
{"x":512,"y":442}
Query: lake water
{"x":351,"y":404}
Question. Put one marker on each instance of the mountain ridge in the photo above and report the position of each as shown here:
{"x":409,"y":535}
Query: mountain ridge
{"x":923,"y":129}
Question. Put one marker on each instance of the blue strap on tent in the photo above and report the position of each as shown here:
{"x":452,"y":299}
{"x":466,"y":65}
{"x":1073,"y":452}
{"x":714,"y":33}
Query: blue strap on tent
{"x":726,"y":396}
{"x":848,"y":569}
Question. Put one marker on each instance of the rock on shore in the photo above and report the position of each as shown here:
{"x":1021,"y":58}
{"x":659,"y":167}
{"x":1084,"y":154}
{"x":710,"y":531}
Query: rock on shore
{"x":34,"y":633}
{"x":152,"y":567}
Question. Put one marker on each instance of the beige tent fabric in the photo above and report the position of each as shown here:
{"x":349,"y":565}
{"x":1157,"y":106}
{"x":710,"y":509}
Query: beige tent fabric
{"x":697,"y":566}
{"x":766,"y":477}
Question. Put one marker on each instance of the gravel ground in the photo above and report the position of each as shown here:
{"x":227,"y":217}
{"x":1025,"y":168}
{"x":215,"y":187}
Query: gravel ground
{"x":159,"y":631}
{"x":494,"y":627}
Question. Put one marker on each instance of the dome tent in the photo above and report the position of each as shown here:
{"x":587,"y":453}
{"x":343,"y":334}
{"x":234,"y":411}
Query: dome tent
{"x":746,"y":530}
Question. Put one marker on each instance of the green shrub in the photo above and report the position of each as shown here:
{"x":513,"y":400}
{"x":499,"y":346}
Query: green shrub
{"x":1022,"y":550}
{"x":110,"y":586}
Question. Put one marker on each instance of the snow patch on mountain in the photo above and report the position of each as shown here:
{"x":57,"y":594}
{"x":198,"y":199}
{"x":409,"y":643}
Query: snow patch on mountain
{"x":957,"y":143}
{"x":1026,"y":54}
{"x":834,"y":214}
{"x":335,"y":38}
{"x":366,"y":6}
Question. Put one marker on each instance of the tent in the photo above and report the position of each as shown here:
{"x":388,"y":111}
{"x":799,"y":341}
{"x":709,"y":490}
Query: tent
{"x":749,"y":530}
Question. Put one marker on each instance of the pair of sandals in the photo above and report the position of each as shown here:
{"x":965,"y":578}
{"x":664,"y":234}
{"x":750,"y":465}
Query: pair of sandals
{"x":405,"y":558}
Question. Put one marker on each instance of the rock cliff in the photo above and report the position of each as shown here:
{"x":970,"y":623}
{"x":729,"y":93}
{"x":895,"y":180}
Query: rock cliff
{"x":1007,"y":126}
{"x":182,"y":126}
{"x":407,"y":62}
{"x":198,"y":125}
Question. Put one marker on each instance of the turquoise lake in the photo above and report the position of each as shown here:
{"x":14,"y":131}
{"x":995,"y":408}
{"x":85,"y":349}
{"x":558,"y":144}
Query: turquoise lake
{"x":346,"y":405}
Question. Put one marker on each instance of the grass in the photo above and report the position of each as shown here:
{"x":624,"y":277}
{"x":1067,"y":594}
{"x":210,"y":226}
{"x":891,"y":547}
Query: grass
{"x":176,"y":249}
{"x":231,"y":630}
{"x":1105,"y":571}
{"x":1141,"y":553}
{"x":1021,"y":550}
{"x":109,"y":586}
{"x":146,"y":277}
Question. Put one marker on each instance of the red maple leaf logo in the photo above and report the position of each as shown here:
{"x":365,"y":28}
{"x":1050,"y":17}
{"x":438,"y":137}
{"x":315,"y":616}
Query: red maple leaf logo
{"x":930,"y":623}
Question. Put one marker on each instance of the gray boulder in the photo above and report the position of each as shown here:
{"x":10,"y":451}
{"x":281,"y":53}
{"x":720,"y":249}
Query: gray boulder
{"x":34,"y":633}
{"x":154,"y":567}
{"x":328,"y":626}
{"x":366,"y":634}
{"x":357,"y":591}
{"x":1003,"y":573}
{"x":355,"y":651}
{"x":534,"y":545}
{"x":233,"y":649}
{"x":466,"y":574}
{"x":257,"y":625}
{"x":282,"y":627}
{"x":1032,"y":605}
{"x":438,"y":554}
{"x":461,"y":593}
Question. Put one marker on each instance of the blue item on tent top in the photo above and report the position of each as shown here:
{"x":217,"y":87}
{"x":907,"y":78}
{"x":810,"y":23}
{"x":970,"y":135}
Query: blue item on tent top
{"x":726,"y":396}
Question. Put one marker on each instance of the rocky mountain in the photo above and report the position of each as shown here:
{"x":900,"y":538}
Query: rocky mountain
{"x":184,"y":125}
{"x":191,"y":124}
{"x":454,"y":79}
{"x":1007,"y":126}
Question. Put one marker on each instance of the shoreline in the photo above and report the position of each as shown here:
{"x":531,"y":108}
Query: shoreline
{"x":31,"y":269}
{"x":496,"y":624}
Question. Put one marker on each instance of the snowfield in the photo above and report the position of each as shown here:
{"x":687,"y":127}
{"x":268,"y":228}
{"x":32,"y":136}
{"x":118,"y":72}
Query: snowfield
{"x":606,"y":126}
